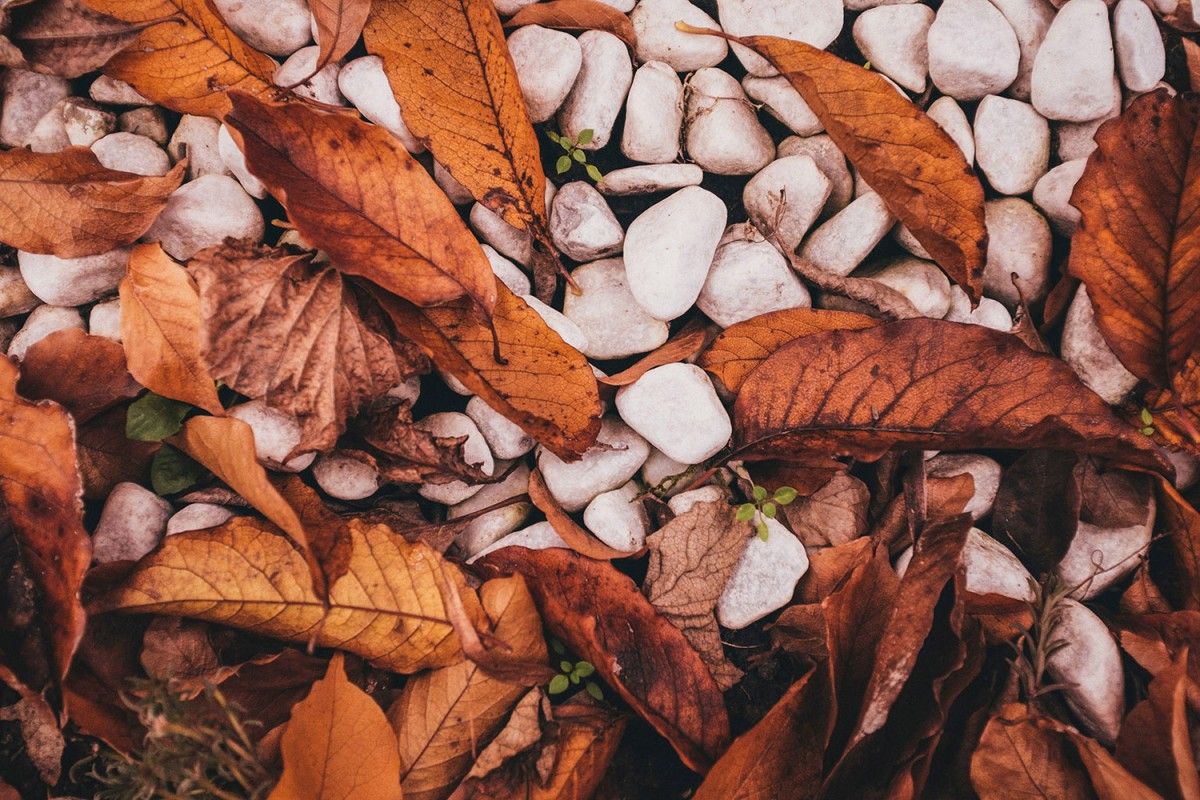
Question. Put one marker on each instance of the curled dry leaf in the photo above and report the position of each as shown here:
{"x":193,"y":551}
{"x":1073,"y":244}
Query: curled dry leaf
{"x":352,"y":190}
{"x":829,"y":566}
{"x":339,"y":23}
{"x":338,"y":745}
{"x":924,"y":383}
{"x":576,"y":15}
{"x":106,"y":457}
{"x":387,"y":608}
{"x":161,"y":328}
{"x":1022,"y":754}
{"x":522,"y":731}
{"x":85,"y":374}
{"x":1109,"y":778}
{"x":682,"y":347}
{"x":1037,"y":507}
{"x":1178,"y":523}
{"x":279,"y":327}
{"x":67,"y":204}
{"x":444,"y":717}
{"x":66,"y":38}
{"x":1137,"y":246}
{"x":1191,"y":52}
{"x":1155,"y":741}
{"x":41,"y":493}
{"x":834,"y":514}
{"x":407,"y":454}
{"x":888,"y":302}
{"x":542,"y":384}
{"x":574,"y":534}
{"x":902,"y":154}
{"x":602,"y":616}
{"x":188,"y":59}
{"x":691,"y":559}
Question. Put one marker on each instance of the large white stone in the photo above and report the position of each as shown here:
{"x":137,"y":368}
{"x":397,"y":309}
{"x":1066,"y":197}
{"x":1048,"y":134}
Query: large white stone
{"x":764,"y":579}
{"x":276,"y":435}
{"x":830,"y":161}
{"x":617,"y":456}
{"x":677,"y":410}
{"x":202,"y":213}
{"x":364,"y":83}
{"x":659,"y":40}
{"x":1030,"y":19}
{"x":1073,"y":71}
{"x":599,"y":91}
{"x":948,"y":114}
{"x":786,"y":197}
{"x":195,"y":138}
{"x":814,"y":22}
{"x":1088,"y":666}
{"x":475,"y":451}
{"x":582,"y":225}
{"x":131,"y":525}
{"x":607,"y":313}
{"x":1086,"y":352}
{"x":893,"y":39}
{"x":844,"y":241}
{"x":989,"y":313}
{"x":547,"y":62}
{"x":276,"y":27}
{"x":973,"y":51}
{"x":1019,"y":242}
{"x":539,"y":536}
{"x":1012,"y":144}
{"x":485,"y":529}
{"x":73,"y":281}
{"x":781,"y":100}
{"x":723,"y":134}
{"x":344,"y":477}
{"x":925,"y":286}
{"x":749,"y":278}
{"x":1140,"y":53}
{"x":653,"y":115}
{"x":618,"y":518}
{"x":41,"y":322}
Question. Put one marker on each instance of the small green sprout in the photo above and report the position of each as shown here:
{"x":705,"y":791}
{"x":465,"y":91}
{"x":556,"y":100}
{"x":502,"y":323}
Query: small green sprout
{"x":573,"y":153}
{"x":1147,"y":419}
{"x":572,"y":673}
{"x":764,"y":504}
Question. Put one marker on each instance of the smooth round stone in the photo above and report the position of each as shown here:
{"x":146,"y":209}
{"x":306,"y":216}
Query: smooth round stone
{"x":131,"y":525}
{"x":509,"y":241}
{"x":649,"y":178}
{"x":948,"y":114}
{"x":276,"y":27}
{"x":105,"y":320}
{"x":984,"y":471}
{"x":1099,"y":557}
{"x":764,"y":579}
{"x":747,"y":279}
{"x":197,"y":517}
{"x":50,"y":134}
{"x":684,"y":501}
{"x":452,"y":424}
{"x":668,"y":250}
{"x":845,"y":240}
{"x":659,"y":40}
{"x":1018,"y":241}
{"x":653,"y":115}
{"x":128,"y":152}
{"x":599,"y":91}
{"x":1052,"y":194}
{"x":786,"y":197}
{"x":1078,"y":139}
{"x":784,"y":103}
{"x":510,"y":7}
{"x":490,"y":527}
{"x":991,"y":568}
{"x":539,"y":536}
{"x":893,"y":39}
{"x":617,"y":456}
{"x":660,"y":466}
{"x":505,"y":438}
{"x":925,"y":286}
{"x":235,"y":161}
{"x":408,"y":390}
{"x":1030,"y":19}
{"x":1073,"y":71}
{"x":814,"y":22}
{"x":989,"y":313}
{"x":582,"y":225}
{"x":555,"y":321}
{"x":27,"y":98}
{"x":509,"y":273}
{"x":297,"y":74}
{"x":276,"y":435}
{"x":84,"y":123}
{"x":547,"y":63}
{"x":73,"y":281}
{"x":149,"y":122}
{"x":830,"y":161}
{"x":195,"y":138}
{"x":1141,"y":57}
{"x":203,"y":213}
{"x":344,"y":477}
{"x":15,"y":295}
{"x":364,"y":83}
{"x":723,"y":134}
{"x":973,"y":51}
{"x":618,"y":518}
{"x":1085,"y":351}
{"x":613,"y":322}
{"x":904,"y":237}
{"x":116,"y":92}
{"x":41,"y":322}
{"x":1012,"y":144}
{"x":1088,"y":667}
{"x":677,"y":410}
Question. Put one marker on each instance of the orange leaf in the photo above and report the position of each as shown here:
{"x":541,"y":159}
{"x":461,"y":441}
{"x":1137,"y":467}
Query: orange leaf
{"x":924,"y":383}
{"x":67,"y":205}
{"x":1191,"y":52}
{"x":160,"y":329}
{"x":85,"y":374}
{"x":1021,"y":754}
{"x":339,"y":24}
{"x":1137,"y":247}
{"x":1155,"y":744}
{"x":1110,"y":780}
{"x":1179,"y":524}
{"x":189,"y":59}
{"x":682,"y":347}
{"x":338,"y":745}
{"x":902,"y":154}
{"x":353,"y":191}
{"x":577,"y":15}
{"x":571,"y":531}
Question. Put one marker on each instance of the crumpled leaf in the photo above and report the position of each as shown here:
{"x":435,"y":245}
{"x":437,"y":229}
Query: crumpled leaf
{"x":85,"y":374}
{"x":574,"y":534}
{"x":834,"y":514}
{"x":43,"y":740}
{"x":902,"y":154}
{"x":924,"y":383}
{"x":600,"y":614}
{"x":828,"y":567}
{"x":691,"y":559}
{"x":1022,"y":754}
{"x":352,"y":190}
{"x":338,"y":745}
{"x":576,"y":15}
{"x":106,"y":457}
{"x":66,"y":38}
{"x":179,"y":650}
{"x":161,"y":327}
{"x":339,"y":23}
{"x":1037,"y":507}
{"x":279,"y":327}
{"x":386,"y":608}
{"x":407,"y":454}
{"x":1137,"y":246}
{"x":443,"y":718}
{"x":189,"y":61}
{"x":1155,"y":743}
{"x":67,"y":204}
{"x":522,"y":731}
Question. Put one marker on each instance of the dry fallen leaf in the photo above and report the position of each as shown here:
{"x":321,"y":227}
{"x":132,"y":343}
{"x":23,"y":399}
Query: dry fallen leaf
{"x":83,"y":373}
{"x":1155,"y":742}
{"x":66,"y":38}
{"x":683,"y":346}
{"x":522,"y":731}
{"x":352,"y":190}
{"x":189,"y":59}
{"x":408,"y":454}
{"x":1191,"y":52}
{"x":161,"y":327}
{"x":40,"y":733}
{"x":387,"y":607}
{"x":576,"y":15}
{"x":1110,"y":779}
{"x":829,"y":566}
{"x":1037,"y":507}
{"x":338,"y":745}
{"x":68,"y":205}
{"x":338,"y":24}
{"x":691,"y":559}
{"x":107,"y":457}
{"x":574,"y":534}
{"x":1022,"y":754}
{"x":1178,"y":523}
{"x":834,"y":514}
{"x":600,"y":614}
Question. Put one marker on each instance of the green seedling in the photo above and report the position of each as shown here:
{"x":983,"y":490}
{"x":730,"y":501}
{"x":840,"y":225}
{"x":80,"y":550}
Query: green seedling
{"x":152,"y":418}
{"x":764,"y":505}
{"x":572,"y":673}
{"x":1147,"y":420}
{"x":573,"y":153}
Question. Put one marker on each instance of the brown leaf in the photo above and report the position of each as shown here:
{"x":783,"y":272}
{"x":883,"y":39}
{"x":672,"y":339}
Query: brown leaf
{"x":85,"y":374}
{"x":577,"y":15}
{"x":602,"y":616}
{"x":66,"y":38}
{"x":829,"y":566}
{"x":924,"y":383}
{"x":41,"y":493}
{"x":161,"y":327}
{"x":1191,"y":52}
{"x":580,"y":540}
{"x":1023,"y":755}
{"x":339,"y":23}
{"x":279,"y":327}
{"x":682,"y":347}
{"x":691,"y":559}
{"x":189,"y":59}
{"x":443,"y":718}
{"x":66,"y":204}
{"x":834,"y":514}
{"x":1178,"y":523}
{"x":543,"y":385}
{"x":1037,"y":507}
{"x":352,"y":190}
{"x":902,"y":154}
{"x":411,"y":455}
{"x":1154,"y":743}
{"x":178,"y":649}
{"x":44,"y":743}
{"x":387,"y":608}
{"x":1137,"y":246}
{"x":107,"y":458}
{"x":338,"y":745}
{"x":948,"y":496}
{"x":522,"y":731}
{"x":740,"y":348}
{"x":1110,"y":780}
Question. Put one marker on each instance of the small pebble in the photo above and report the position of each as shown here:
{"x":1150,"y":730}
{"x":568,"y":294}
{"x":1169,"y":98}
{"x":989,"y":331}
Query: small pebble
{"x":505,"y":438}
{"x":660,"y":466}
{"x":345,"y":477}
{"x":86,"y":123}
{"x":510,"y":241}
{"x":653,"y":115}
{"x":539,"y":536}
{"x":197,"y":517}
{"x":1052,"y":194}
{"x":73,"y":281}
{"x":814,"y":22}
{"x":276,"y":27}
{"x":599,"y":92}
{"x":893,"y":39}
{"x":297,"y":75}
{"x":129,"y":152}
{"x":989,"y":313}
{"x":845,"y":240}
{"x":475,"y":451}
{"x":364,"y":83}
{"x":555,"y":321}
{"x":649,"y":178}
{"x":1085,"y":351}
{"x":723,"y":134}
{"x":659,"y":40}
{"x":1088,"y":667}
{"x":617,"y":456}
{"x":131,"y":525}
{"x":547,"y":63}
{"x":195,"y":138}
{"x":613,"y":322}
{"x":1012,"y":144}
{"x":1073,"y":72}
{"x":276,"y":435}
{"x":582,"y":225}
{"x":1141,"y":56}
{"x":15,"y":295}
{"x":116,"y":93}
{"x":1019,"y":242}
{"x":105,"y":320}
{"x":948,"y":114}
{"x":27,"y":97}
{"x":684,"y":501}
{"x":973,"y":51}
{"x":765,"y":578}
{"x":488,"y":528}
{"x":1030,"y":19}
{"x":749,"y":278}
{"x":984,"y":471}
{"x":618,"y":518}
{"x":509,"y":273}
{"x":203,"y":213}
{"x":41,"y":322}
{"x":781,"y":100}
{"x":235,"y":161}
{"x":925,"y":286}
{"x":830,"y":161}
{"x":786,"y":197}
{"x":147,"y":121}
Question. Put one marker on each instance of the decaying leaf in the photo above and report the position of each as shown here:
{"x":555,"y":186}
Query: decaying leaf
{"x":1109,"y":778}
{"x":1178,"y":523}
{"x":352,"y":190}
{"x":521,"y":732}
{"x":691,"y":559}
{"x":43,"y":740}
{"x":85,"y":374}
{"x":67,"y":204}
{"x":66,"y":38}
{"x":682,"y":347}
{"x":1155,"y":741}
{"x":1037,"y":507}
{"x":106,"y":457}
{"x":338,"y":745}
{"x":188,"y":59}
{"x":574,"y":534}
{"x":829,"y":566}
{"x":576,"y":15}
{"x":338,"y":23}
{"x":1024,"y":755}
{"x":407,"y":454}
{"x":387,"y":607}
{"x":602,"y":616}
{"x":834,"y":514}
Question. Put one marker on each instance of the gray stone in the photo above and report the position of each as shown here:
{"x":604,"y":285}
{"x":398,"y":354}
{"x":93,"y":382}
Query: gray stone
{"x":784,"y":103}
{"x":1030,"y":19}
{"x":599,"y":92}
{"x":452,"y":424}
{"x":1052,"y":194}
{"x":676,"y":409}
{"x":618,"y":519}
{"x":785,"y":198}
{"x":41,"y":322}
{"x":202,"y":213}
{"x":973,"y":51}
{"x":893,"y":39}
{"x":829,"y":160}
{"x":653,"y":115}
{"x":344,"y":477}
{"x":582,"y":225}
{"x":845,"y":240}
{"x":195,"y":138}
{"x":814,"y":22}
{"x":27,"y":96}
{"x":615,"y":325}
{"x":505,"y":438}
{"x":50,"y":134}
{"x":131,"y":525}
{"x":363,"y":83}
{"x":659,"y":40}
{"x":649,"y":178}
{"x":1073,"y":72}
{"x":1088,"y":667}
{"x":85,"y":122}
{"x":617,"y":456}
{"x":276,"y":27}
{"x":1086,"y":352}
{"x":1012,"y":144}
{"x":488,"y":528}
{"x":1019,"y":242}
{"x":276,"y":436}
{"x":129,"y":152}
{"x":116,"y":92}
{"x":547,"y":63}
{"x":764,"y":579}
{"x":197,"y":517}
{"x":458,"y":194}
{"x":147,"y":121}
{"x":722,"y":133}
{"x":749,"y":278}
{"x":73,"y":281}
{"x":1140,"y":53}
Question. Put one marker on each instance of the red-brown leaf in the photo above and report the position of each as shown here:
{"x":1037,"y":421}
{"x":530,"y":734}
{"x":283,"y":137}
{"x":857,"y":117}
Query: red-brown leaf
{"x":85,"y":374}
{"x":576,"y":15}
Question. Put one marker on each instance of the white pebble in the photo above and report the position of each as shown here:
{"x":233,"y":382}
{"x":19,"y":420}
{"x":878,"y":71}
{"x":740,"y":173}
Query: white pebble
{"x":893,"y":39}
{"x":617,"y":456}
{"x":345,"y":477}
{"x":786,"y":197}
{"x":723,"y":134}
{"x":599,"y":92}
{"x":41,"y":322}
{"x":73,"y":281}
{"x":1052,"y":194}
{"x":276,"y":435}
{"x":195,"y":138}
{"x":764,"y":579}
{"x":105,"y":320}
{"x":475,"y":451}
{"x":653,"y":115}
{"x":131,"y":525}
{"x":297,"y":75}
{"x":487,"y":528}
{"x":749,"y":278}
{"x":649,"y":178}
{"x":659,"y":40}
{"x":973,"y":51}
{"x":984,"y":471}
{"x":1088,"y":665}
{"x":1019,"y":242}
{"x":235,"y":162}
{"x":582,"y":225}
{"x":677,"y":410}
{"x":539,"y":536}
{"x":830,"y":161}
{"x":814,"y":22}
{"x":1073,"y":72}
{"x":197,"y":517}
{"x":618,"y":518}
{"x":202,"y":213}
{"x":925,"y":286}
{"x":989,"y":313}
{"x":1012,"y":144}
{"x":781,"y":100}
{"x":505,"y":438}
{"x":613,"y":322}
{"x":276,"y":27}
{"x":509,"y":273}
{"x":547,"y":63}
{"x":948,"y":114}
{"x":1030,"y":19}
{"x":129,"y":152}
{"x":1085,"y":351}
{"x":364,"y":83}
{"x":1140,"y":53}
{"x":845,"y":240}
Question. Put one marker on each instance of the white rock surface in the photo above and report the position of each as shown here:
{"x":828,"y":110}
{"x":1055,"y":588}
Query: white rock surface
{"x":991,"y":568}
{"x":509,"y":273}
{"x":487,"y":528}
{"x":1018,"y":241}
{"x":830,"y":161}
{"x":947,"y":113}
{"x":1078,"y":139}
{"x":146,"y":121}
{"x":582,"y":225}
{"x":128,"y":152}
{"x":684,"y":501}
{"x":73,"y":281}
{"x":659,"y":40}
{"x":105,"y":320}
{"x":116,"y":92}
{"x":539,"y":536}
{"x":660,"y":466}
{"x":509,"y":241}
{"x":668,"y":250}
{"x":748,"y":278}
{"x":41,"y":322}
{"x":653,"y":114}
{"x":345,"y":477}
{"x":452,"y":424}
{"x":925,"y":286}
{"x":815,"y":22}
{"x":363,"y":82}
{"x":505,"y":439}
{"x":989,"y":313}
{"x":784,"y":103}
{"x":276,"y":435}
{"x":677,"y":410}
{"x":1089,"y":666}
{"x":786,"y":197}
{"x":599,"y":92}
{"x":1030,"y":19}
{"x":235,"y":162}
{"x":844,"y":241}
{"x":1086,"y":352}
{"x":196,"y":139}
{"x":973,"y":51}
{"x":50,"y":134}
{"x":1052,"y":194}
{"x":893,"y":39}
{"x":649,"y":178}
{"x":1141,"y":56}
{"x":458,"y":194}
{"x":84,"y":122}
{"x":765,"y":578}
{"x":297,"y":74}
{"x":1100,"y":556}
{"x":618,"y":455}
{"x":904,"y":237}
{"x":985,"y":472}
{"x":510,"y":7}
{"x":554,"y":319}
{"x":276,"y":27}
{"x":1073,"y":72}
{"x":722,"y":132}
{"x":131,"y":525}
{"x":15,"y":295}
{"x":197,"y":517}
{"x":618,"y":519}
{"x":202,"y":213}
{"x":605,"y":310}
{"x":547,"y":62}
{"x":28,"y":96}
{"x":1012,"y":144}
